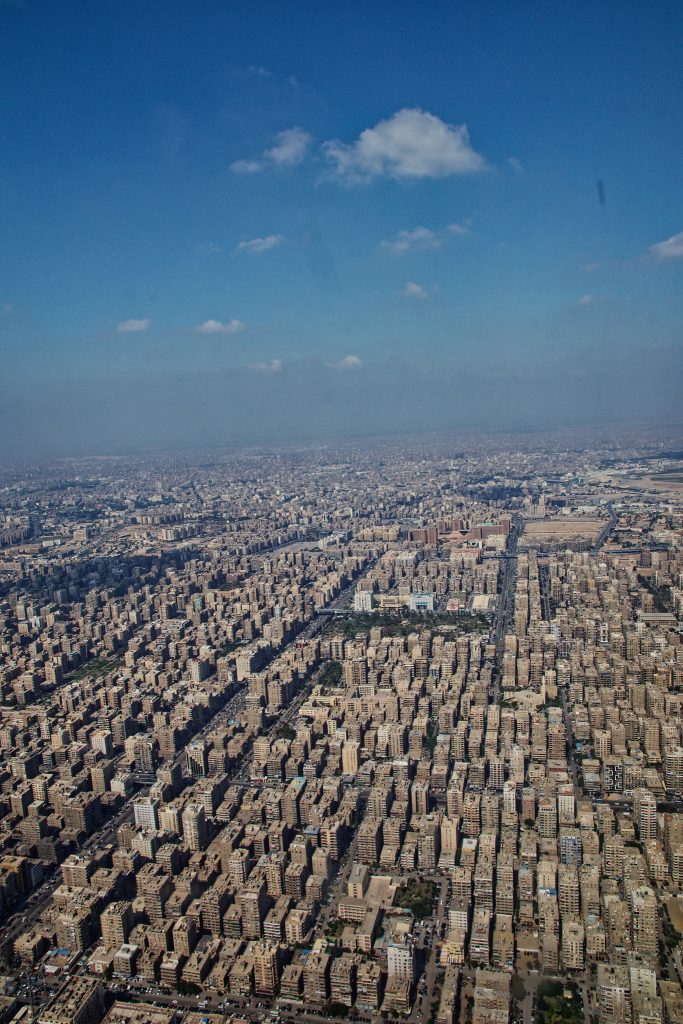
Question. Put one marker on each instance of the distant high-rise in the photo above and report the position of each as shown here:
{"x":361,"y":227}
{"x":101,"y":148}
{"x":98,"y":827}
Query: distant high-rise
{"x":194,"y":827}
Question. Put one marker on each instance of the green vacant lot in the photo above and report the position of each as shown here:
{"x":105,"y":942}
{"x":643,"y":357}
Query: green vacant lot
{"x":416,"y":895}
{"x":97,"y":667}
{"x":559,"y":1003}
{"x":402,"y":623}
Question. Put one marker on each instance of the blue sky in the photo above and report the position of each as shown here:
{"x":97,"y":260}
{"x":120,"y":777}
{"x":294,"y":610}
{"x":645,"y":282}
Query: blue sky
{"x":250,"y":220}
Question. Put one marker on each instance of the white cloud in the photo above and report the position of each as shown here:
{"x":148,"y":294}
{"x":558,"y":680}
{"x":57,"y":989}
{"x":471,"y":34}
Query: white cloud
{"x":246,"y":166}
{"x":290,"y":147}
{"x":254,"y":246}
{"x":349,"y":362}
{"x":216,"y":327}
{"x":516,"y":165}
{"x":585,"y":300}
{"x":414,"y":240}
{"x":670,"y":249}
{"x":418,"y":239}
{"x":412,"y":143}
{"x":272,"y":366}
{"x":413,"y":290}
{"x":590,"y":268}
{"x":129,"y":326}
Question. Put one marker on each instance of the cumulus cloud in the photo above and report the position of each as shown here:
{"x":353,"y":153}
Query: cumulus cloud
{"x":585,"y":300}
{"x":412,"y":143}
{"x":420,"y":238}
{"x":414,"y":240}
{"x":349,"y":362}
{"x":290,"y":147}
{"x":669,"y":249}
{"x":129,"y":326}
{"x":246,"y":166}
{"x":412,"y":290}
{"x":254,"y":246}
{"x":272,"y":366}
{"x":216,"y":327}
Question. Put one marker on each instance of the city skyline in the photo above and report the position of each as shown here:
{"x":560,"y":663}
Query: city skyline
{"x":384,"y":732}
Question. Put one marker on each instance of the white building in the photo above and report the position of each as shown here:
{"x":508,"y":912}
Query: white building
{"x":146,"y":814}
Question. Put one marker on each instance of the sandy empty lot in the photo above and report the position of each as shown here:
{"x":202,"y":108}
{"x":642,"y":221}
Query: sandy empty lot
{"x":554,"y":529}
